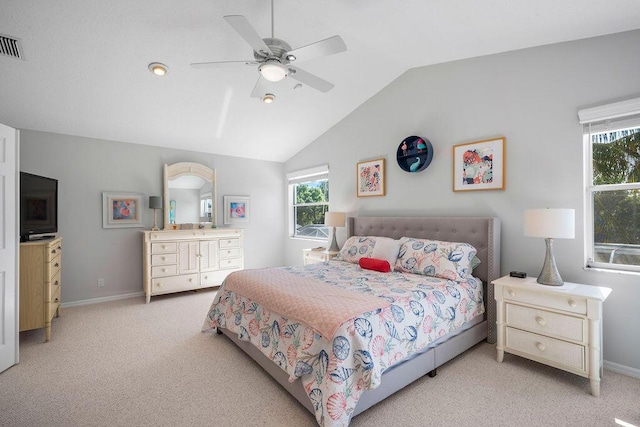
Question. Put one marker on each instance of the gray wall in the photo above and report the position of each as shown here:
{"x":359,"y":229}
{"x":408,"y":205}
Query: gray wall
{"x":86,"y":167}
{"x":532,"y":98}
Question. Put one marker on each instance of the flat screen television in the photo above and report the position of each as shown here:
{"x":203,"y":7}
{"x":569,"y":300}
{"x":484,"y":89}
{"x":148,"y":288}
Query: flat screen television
{"x":38,"y":207}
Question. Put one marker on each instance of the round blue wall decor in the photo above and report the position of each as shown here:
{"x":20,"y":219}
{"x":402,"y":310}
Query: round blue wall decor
{"x":414,"y":154}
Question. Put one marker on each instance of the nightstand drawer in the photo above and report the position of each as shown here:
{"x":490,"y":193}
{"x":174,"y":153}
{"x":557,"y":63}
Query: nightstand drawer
{"x":559,"y":302}
{"x":546,"y":322}
{"x":554,"y":351}
{"x":164,"y":247}
{"x":164,"y":259}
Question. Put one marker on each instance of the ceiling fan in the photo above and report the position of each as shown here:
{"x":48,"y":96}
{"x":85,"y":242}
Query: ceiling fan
{"x":274,"y":57}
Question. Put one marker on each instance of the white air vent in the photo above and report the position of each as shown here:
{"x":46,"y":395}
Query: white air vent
{"x":10,"y":46}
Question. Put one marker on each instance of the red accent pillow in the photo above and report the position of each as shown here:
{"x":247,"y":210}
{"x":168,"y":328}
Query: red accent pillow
{"x":375,"y":264}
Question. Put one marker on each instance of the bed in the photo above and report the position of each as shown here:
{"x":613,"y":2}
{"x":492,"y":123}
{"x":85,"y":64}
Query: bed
{"x":353,"y":364}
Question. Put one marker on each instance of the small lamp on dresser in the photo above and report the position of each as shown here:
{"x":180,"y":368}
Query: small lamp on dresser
{"x":155,"y":203}
{"x":334,"y":219}
{"x":550,"y":224}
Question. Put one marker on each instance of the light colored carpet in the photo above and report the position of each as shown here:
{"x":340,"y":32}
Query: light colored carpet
{"x":126,"y":363}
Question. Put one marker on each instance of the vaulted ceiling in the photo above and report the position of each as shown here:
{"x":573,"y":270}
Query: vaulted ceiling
{"x":84,"y":67}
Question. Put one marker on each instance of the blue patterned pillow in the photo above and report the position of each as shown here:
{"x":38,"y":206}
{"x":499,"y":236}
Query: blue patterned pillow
{"x":448,"y":260}
{"x":356,"y":247}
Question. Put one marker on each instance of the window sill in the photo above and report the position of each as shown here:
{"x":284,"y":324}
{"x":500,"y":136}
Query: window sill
{"x":611,"y":270}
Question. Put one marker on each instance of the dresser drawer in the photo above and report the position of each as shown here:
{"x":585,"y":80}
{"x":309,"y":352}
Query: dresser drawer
{"x":229,"y":253}
{"x":559,"y":302}
{"x":52,"y":289}
{"x":174,"y":283}
{"x":229,"y":263}
{"x":53,"y":268}
{"x":164,"y":270}
{"x":164,"y":247}
{"x":229,"y":243}
{"x":51,"y":307}
{"x":545,"y":322}
{"x":54,"y":251}
{"x":550,"y":350}
{"x":164,"y":259}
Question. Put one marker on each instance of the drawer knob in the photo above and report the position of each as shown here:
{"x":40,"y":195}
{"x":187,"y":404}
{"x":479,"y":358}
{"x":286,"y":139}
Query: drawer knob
{"x":572,"y":303}
{"x":163,"y":258}
{"x":541,"y":321}
{"x":540,"y":346}
{"x":53,"y":251}
{"x":56,"y":265}
{"x":159,"y":285}
{"x":164,"y":270}
{"x":512,"y":292}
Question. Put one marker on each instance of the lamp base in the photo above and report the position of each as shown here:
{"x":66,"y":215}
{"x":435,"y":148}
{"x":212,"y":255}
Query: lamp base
{"x":155,"y":221}
{"x":549,"y":274}
{"x":334,"y":243}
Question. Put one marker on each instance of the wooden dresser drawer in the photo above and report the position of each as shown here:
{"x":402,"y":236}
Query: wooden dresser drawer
{"x":230,"y":253}
{"x":164,"y":270}
{"x":545,"y":322}
{"x":53,"y":288}
{"x":164,"y":259}
{"x":53,"y":267}
{"x":553,"y":351}
{"x":54,"y":250}
{"x":229,"y":243}
{"x":164,"y":247}
{"x":52,"y":306}
{"x":174,"y":283}
{"x":559,"y":302}
{"x":229,"y":263}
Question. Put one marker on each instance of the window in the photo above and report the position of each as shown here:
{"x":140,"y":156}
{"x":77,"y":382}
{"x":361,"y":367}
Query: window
{"x":612,"y":202}
{"x":308,"y":201}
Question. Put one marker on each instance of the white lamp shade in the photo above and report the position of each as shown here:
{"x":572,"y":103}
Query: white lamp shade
{"x":334,"y":219}
{"x":550,"y":223}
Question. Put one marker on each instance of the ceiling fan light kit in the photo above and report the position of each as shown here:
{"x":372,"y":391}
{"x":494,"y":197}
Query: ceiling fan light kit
{"x":158,"y":69}
{"x":273,"y":70}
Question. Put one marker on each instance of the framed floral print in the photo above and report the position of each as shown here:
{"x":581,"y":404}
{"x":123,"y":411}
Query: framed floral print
{"x":479,"y":165}
{"x":120,"y":210}
{"x":236,"y":209}
{"x":370,"y":178}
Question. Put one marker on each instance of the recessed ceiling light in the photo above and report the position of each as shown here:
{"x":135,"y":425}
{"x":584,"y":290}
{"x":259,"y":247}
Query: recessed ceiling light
{"x":158,"y":69}
{"x":268,"y":98}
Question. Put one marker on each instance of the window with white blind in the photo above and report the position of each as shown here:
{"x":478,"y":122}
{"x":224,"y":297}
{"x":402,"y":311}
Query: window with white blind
{"x":612,"y":185}
{"x":308,"y":202}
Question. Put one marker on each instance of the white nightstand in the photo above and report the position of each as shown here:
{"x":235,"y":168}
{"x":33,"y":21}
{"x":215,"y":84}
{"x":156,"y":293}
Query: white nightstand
{"x":560,"y":326}
{"x":313,"y":256}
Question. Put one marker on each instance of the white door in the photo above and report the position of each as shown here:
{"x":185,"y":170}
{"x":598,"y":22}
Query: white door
{"x":8,"y":247}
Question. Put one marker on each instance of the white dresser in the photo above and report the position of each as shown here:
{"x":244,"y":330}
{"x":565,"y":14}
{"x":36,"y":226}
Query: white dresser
{"x":560,"y":326}
{"x":182,"y":260}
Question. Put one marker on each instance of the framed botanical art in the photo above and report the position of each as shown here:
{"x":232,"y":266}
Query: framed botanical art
{"x":370,"y":178}
{"x":120,"y":210}
{"x":479,"y":165}
{"x":236,"y":209}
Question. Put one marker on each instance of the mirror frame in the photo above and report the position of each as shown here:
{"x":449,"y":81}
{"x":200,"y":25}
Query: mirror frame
{"x":177,"y":170}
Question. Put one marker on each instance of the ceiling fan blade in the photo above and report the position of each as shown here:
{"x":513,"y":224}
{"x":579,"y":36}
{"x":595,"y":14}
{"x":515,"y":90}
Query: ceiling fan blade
{"x":260,"y":89}
{"x":309,"y":79}
{"x":325,"y":47}
{"x":248,"y":33}
{"x":215,"y":64}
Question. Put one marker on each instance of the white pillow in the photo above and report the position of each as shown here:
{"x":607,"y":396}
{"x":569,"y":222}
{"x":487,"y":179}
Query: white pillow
{"x":386,"y":249}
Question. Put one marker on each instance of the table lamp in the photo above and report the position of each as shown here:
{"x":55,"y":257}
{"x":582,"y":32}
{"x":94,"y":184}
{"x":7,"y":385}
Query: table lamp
{"x":550,"y":224}
{"x":155,"y":203}
{"x":334,"y":219}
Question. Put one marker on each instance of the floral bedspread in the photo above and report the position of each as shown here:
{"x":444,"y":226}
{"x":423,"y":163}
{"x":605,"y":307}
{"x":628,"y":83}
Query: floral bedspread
{"x":335,"y":372}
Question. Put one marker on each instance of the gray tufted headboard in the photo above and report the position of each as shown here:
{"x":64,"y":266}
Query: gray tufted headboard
{"x":481,"y":232}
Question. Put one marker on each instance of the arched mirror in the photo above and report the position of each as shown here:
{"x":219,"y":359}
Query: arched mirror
{"x":189,"y":195}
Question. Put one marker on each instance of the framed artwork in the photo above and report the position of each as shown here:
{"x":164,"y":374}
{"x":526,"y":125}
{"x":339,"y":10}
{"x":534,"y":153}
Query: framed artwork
{"x":414,"y":154}
{"x":121,"y":210}
{"x":370,"y":178}
{"x":479,"y":165}
{"x":236,"y":209}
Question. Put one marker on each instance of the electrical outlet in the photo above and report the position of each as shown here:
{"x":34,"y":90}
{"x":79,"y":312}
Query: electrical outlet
{"x":100,"y":282}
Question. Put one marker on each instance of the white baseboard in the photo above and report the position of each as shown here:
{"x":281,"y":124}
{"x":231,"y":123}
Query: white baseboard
{"x":621,"y":369}
{"x":102,"y":299}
